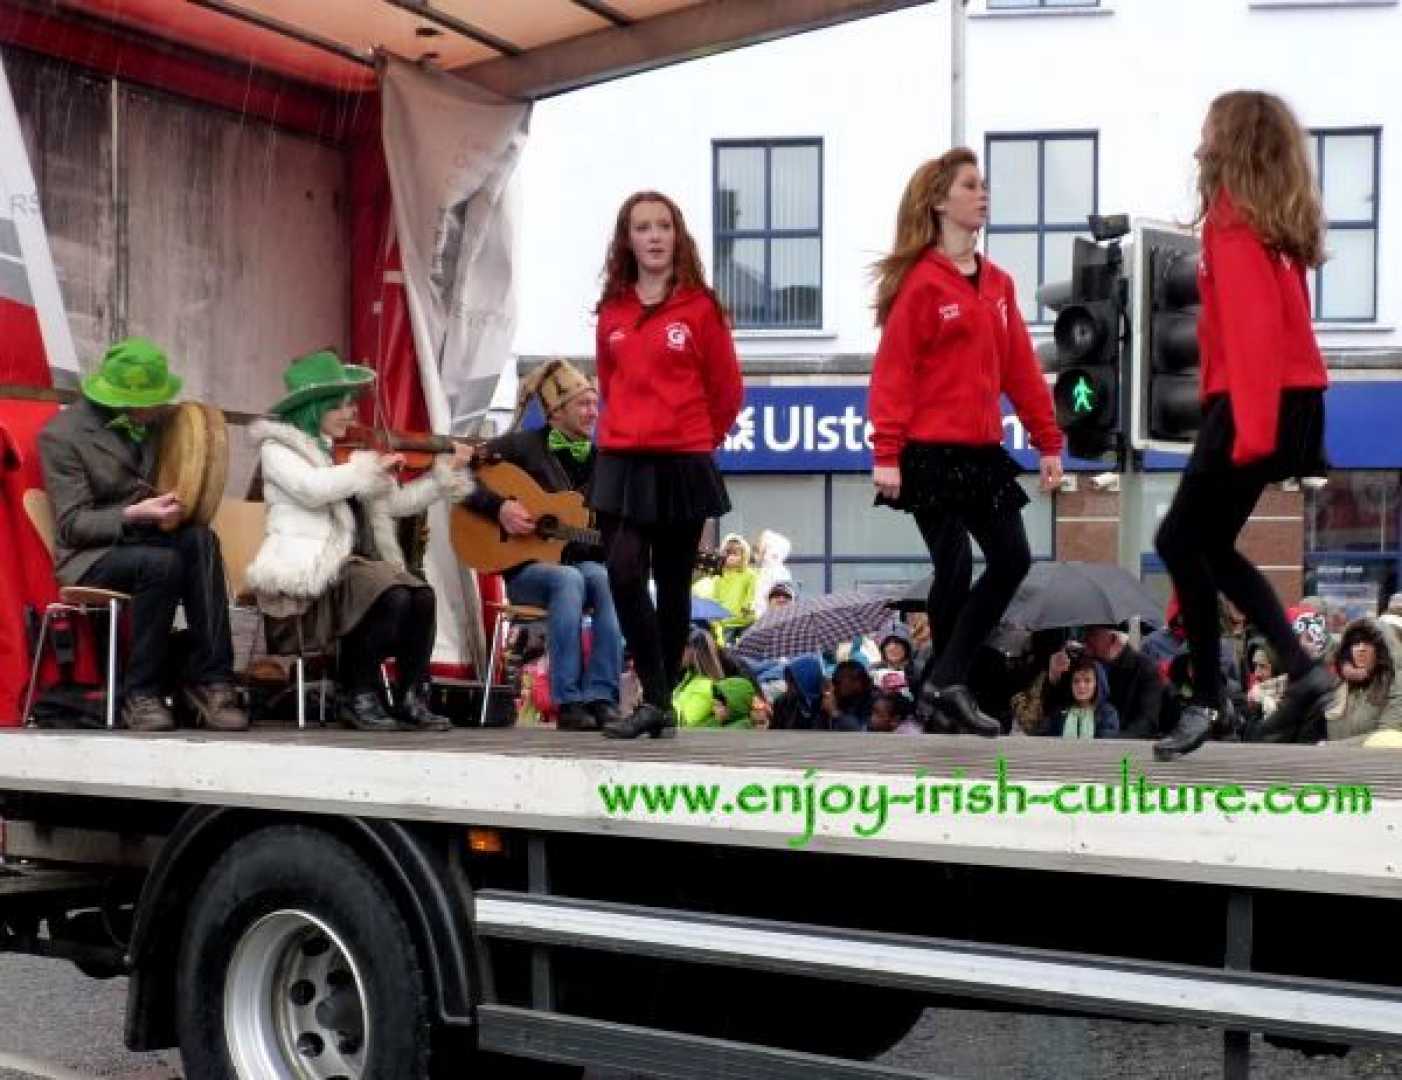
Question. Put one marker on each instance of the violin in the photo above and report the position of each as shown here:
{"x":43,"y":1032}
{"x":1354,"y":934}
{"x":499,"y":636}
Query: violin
{"x":417,"y":448}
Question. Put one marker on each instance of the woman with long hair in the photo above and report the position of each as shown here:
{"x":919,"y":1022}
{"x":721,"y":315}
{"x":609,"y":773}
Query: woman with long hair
{"x":671,"y":388}
{"x":952,"y":341}
{"x":1262,"y":389}
{"x":330,"y":571}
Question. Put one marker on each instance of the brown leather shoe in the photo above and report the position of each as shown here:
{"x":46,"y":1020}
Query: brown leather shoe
{"x":142,"y":712}
{"x":216,"y":707}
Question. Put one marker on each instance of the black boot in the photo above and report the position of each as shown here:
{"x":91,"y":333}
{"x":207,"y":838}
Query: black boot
{"x":576,"y":716}
{"x":1194,"y":725}
{"x":414,"y":714}
{"x":959,"y":707}
{"x":1302,"y":696}
{"x":605,"y":712}
{"x":362,"y":710}
{"x":927,"y":710}
{"x":646,"y":720}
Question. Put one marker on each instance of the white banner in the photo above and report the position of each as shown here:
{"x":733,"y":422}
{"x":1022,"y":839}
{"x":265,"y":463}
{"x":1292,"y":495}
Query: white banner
{"x":27,"y":277}
{"x":452,"y":149}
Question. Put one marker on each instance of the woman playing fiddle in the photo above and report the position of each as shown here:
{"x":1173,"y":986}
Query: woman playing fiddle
{"x":330,"y":570}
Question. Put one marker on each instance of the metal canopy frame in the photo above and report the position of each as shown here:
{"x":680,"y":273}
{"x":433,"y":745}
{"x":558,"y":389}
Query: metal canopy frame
{"x":626,"y":46}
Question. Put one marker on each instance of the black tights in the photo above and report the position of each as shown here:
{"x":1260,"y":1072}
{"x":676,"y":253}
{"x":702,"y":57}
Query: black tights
{"x":401,"y":624}
{"x":655,"y":636}
{"x":1197,"y":542}
{"x":961,"y":616}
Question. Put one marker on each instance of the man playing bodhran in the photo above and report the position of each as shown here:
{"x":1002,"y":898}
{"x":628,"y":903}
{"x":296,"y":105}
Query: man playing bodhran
{"x":114,"y":531}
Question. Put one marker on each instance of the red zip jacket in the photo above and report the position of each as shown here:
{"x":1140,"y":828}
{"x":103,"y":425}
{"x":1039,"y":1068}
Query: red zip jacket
{"x":1255,"y":338}
{"x":671,"y":384}
{"x":946,"y":355}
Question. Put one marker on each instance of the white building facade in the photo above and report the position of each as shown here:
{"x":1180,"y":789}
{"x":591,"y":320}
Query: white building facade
{"x":788,"y":160}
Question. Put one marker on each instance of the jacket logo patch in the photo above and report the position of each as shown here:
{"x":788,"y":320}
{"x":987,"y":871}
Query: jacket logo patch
{"x":1003,"y":310}
{"x":617,"y":335}
{"x":949,"y":311}
{"x":677,"y":336}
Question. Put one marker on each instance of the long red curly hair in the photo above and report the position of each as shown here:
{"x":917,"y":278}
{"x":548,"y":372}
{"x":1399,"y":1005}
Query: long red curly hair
{"x":620,"y":271}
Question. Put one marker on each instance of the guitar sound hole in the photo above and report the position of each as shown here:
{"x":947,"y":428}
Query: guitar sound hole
{"x":546,"y":524}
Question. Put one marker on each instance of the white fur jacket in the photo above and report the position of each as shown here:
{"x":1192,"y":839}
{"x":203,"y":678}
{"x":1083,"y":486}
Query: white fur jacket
{"x":310,"y":531}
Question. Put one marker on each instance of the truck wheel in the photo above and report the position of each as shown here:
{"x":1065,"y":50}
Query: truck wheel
{"x":296,"y":965}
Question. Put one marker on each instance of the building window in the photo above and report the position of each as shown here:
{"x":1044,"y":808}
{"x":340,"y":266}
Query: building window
{"x":768,"y":215}
{"x":1345,"y":288}
{"x":1041,"y":188}
{"x":1353,"y":542}
{"x":840,"y":541}
{"x":1009,"y":5}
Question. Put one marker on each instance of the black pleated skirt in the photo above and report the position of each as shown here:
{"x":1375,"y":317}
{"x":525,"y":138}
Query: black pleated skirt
{"x":960,"y":479}
{"x":658,"y":489}
{"x":1299,"y":438}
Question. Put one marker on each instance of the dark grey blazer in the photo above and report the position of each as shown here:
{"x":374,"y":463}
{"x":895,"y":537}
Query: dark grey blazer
{"x":91,"y":472}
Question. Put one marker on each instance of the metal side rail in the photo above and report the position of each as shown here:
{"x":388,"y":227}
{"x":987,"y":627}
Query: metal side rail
{"x":1084,"y":983}
{"x":552,"y":1036}
{"x":37,"y":882}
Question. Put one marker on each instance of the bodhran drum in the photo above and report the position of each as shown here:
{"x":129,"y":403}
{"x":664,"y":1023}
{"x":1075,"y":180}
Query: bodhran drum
{"x":194,"y":460}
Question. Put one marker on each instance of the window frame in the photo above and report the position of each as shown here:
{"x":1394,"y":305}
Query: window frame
{"x":1317,"y":138}
{"x":1038,"y":5}
{"x":1041,"y":228}
{"x":768,"y":234}
{"x":828,"y":560}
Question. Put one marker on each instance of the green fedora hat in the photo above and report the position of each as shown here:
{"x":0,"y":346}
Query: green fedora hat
{"x":318,"y":375}
{"x":133,"y":375}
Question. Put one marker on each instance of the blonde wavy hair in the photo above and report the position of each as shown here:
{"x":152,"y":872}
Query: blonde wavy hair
{"x":1257,"y":152}
{"x":917,"y":223}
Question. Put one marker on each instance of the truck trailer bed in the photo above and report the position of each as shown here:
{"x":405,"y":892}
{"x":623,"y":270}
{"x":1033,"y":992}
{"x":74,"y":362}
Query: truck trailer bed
{"x":1348,"y":842}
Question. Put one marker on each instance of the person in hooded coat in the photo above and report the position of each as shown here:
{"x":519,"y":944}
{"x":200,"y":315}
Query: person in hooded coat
{"x":733,"y":588}
{"x":771,"y":554}
{"x":800,"y":707}
{"x":1090,"y":714}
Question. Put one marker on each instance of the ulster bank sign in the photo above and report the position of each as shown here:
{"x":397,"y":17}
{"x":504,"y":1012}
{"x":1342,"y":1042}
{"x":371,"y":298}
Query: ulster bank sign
{"x":823,"y":429}
{"x":818,"y":429}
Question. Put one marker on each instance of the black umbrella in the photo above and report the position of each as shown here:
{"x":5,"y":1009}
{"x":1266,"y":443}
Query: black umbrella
{"x":1061,"y":594}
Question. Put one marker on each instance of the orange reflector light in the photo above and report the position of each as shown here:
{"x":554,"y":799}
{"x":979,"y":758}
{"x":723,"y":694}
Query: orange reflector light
{"x":485,"y":842}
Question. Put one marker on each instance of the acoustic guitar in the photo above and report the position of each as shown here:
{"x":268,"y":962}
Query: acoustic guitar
{"x":560,"y":518}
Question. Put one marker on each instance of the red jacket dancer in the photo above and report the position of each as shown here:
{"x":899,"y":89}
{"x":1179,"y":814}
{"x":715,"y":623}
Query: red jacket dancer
{"x":669,"y":376}
{"x":1255,"y":305}
{"x":949,"y":349}
{"x":952,"y":343}
{"x":1262,"y":388}
{"x":671,"y":388}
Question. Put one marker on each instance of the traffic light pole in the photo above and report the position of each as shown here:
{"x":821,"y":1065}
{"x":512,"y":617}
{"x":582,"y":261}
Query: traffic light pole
{"x":1132,"y":519}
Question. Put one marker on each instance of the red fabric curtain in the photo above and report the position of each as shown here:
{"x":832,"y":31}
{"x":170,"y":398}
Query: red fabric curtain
{"x":26,"y":575}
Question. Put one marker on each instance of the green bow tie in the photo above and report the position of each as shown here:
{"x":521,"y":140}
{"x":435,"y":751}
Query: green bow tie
{"x":577,"y":448}
{"x":130,"y":428}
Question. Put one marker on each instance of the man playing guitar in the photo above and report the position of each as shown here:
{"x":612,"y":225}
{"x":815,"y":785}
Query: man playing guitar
{"x":560,"y":457}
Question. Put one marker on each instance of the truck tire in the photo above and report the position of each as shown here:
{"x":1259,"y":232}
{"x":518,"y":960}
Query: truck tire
{"x":296,"y":963}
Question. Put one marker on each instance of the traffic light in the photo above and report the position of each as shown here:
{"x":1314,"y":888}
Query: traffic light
{"x":1085,"y":348}
{"x":1164,"y":351}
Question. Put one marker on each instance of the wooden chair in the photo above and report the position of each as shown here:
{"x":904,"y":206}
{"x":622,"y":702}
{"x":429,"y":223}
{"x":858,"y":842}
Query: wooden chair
{"x":240,"y":525}
{"x":75,"y":599}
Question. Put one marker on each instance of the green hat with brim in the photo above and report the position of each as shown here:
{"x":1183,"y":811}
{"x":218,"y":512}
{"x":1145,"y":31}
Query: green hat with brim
{"x":133,"y":375}
{"x":321,"y":375}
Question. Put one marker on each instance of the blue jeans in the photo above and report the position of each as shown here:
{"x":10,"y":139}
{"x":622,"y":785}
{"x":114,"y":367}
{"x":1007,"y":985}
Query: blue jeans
{"x":566,"y":592}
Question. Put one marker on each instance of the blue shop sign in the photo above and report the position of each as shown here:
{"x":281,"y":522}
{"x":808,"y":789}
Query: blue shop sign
{"x":810,"y":429}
